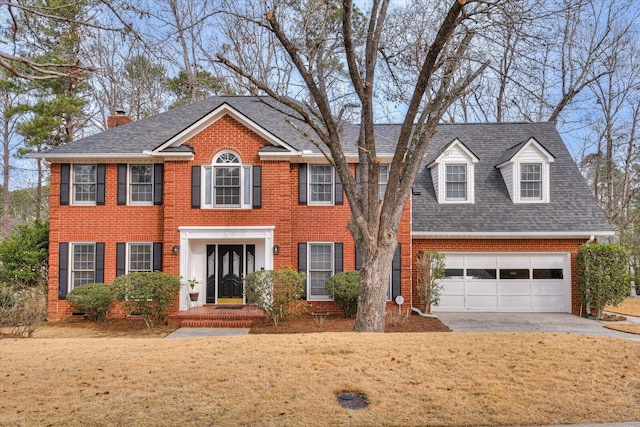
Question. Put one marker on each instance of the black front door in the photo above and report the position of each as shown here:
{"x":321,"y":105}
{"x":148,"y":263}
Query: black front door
{"x":211,"y":274}
{"x":230,"y":271}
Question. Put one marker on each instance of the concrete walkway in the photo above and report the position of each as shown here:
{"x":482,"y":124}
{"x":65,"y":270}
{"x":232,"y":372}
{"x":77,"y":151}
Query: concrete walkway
{"x":532,"y":322}
{"x":207,"y":332}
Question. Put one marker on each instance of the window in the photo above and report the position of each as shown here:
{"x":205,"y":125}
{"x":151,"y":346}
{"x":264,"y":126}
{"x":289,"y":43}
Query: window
{"x":453,"y":273}
{"x":140,"y":257}
{"x":84,"y":184}
{"x":383,"y":180}
{"x":321,"y":184}
{"x":547,"y":274}
{"x":514,"y":274}
{"x":141,"y":184}
{"x":227,"y":183}
{"x":456,"y":182}
{"x":320,"y":269}
{"x":83,"y":263}
{"x":531,"y":181}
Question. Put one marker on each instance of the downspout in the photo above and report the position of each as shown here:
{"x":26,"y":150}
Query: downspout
{"x":592,"y":238}
{"x":417,"y":310}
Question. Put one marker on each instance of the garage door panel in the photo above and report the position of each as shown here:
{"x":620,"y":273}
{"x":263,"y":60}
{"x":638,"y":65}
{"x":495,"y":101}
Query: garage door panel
{"x":507,"y":282}
{"x":515,"y":302}
{"x":482,"y":287}
{"x":547,"y":288}
{"x":482,"y":302}
{"x":514,"y":287}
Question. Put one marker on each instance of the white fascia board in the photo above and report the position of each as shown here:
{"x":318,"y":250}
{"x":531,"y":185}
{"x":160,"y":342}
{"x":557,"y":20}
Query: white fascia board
{"x":509,"y":234}
{"x":223,"y":110}
{"x":455,"y":143}
{"x":306,"y":157}
{"x":60,"y":158}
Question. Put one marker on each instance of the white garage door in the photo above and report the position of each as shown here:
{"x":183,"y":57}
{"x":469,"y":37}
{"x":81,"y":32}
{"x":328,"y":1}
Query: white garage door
{"x":507,"y":282}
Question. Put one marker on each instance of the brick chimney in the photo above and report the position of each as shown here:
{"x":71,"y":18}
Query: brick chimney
{"x":118,"y":120}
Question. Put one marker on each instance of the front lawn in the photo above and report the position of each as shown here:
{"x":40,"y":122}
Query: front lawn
{"x":409,"y":378}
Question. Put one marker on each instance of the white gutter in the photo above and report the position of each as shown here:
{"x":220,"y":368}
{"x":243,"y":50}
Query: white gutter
{"x":508,"y":234}
{"x":88,"y":156}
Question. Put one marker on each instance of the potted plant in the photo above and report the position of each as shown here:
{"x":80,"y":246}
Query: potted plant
{"x":193,"y":296}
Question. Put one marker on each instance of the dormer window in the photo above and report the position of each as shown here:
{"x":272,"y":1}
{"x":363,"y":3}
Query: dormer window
{"x":452,"y":173}
{"x":525,"y":169}
{"x":456,"y":183}
{"x":531,"y":181}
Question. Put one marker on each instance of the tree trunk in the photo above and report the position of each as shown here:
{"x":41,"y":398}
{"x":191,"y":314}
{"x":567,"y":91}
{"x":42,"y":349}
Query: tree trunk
{"x":374,"y":282}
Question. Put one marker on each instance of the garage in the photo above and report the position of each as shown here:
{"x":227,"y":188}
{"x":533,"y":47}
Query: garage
{"x":506,"y":282}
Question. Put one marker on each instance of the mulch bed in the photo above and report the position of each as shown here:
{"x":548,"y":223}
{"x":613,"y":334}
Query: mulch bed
{"x":336,"y":323}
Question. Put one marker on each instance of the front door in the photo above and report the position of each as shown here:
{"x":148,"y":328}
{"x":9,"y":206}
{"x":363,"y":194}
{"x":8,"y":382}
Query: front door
{"x":211,"y":274}
{"x":230,"y":269}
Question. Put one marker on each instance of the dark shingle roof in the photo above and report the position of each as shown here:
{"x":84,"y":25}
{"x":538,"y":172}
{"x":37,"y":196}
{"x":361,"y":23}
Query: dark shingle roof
{"x":572,"y":207}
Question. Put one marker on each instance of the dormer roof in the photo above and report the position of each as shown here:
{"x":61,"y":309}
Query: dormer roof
{"x":455,"y":144}
{"x":511,"y":153}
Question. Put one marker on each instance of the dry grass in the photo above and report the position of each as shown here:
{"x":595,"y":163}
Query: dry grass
{"x":410,"y":379}
{"x":82,"y":328}
{"x":629,"y":328}
{"x":629,"y":307}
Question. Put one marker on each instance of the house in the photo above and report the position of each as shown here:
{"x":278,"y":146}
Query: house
{"x":226,"y":186}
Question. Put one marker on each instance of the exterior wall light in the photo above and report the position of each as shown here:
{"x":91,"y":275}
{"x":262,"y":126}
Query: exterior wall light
{"x":276,"y":249}
{"x":176,"y":249}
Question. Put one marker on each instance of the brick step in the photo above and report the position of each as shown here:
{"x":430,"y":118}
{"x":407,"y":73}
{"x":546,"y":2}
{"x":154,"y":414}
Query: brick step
{"x":216,"y":324}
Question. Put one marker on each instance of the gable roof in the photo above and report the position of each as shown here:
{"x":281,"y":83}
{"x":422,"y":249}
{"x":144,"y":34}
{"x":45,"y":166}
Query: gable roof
{"x":571,"y":212}
{"x":444,"y":149}
{"x":513,"y":151}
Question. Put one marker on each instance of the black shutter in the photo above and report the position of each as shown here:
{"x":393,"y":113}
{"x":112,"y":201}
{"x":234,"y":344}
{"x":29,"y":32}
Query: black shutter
{"x":158,"y":170}
{"x":358,"y":259}
{"x":121,"y":261}
{"x":396,"y":269}
{"x":99,"y":277}
{"x":338,"y":263}
{"x":339,"y":199}
{"x":101,"y":172}
{"x":302,"y":265}
{"x":122,"y":184}
{"x":195,"y":186}
{"x":357,"y":173}
{"x":302,"y":184}
{"x":157,"y":256}
{"x":63,"y":270}
{"x":64,"y":184}
{"x":257,"y":187}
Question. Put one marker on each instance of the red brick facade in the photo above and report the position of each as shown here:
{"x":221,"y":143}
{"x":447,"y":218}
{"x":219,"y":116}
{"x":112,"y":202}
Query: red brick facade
{"x":294,"y":223}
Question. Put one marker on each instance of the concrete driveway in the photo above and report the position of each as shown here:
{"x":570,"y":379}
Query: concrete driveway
{"x":531,"y":322}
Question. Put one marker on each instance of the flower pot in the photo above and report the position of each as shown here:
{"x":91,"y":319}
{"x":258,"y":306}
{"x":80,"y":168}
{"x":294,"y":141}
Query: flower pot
{"x":193,"y":296}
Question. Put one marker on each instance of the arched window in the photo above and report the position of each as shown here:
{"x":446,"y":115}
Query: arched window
{"x":227,"y":182}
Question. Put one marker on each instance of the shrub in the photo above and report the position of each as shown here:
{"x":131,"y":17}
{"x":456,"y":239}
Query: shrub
{"x":603,"y":275}
{"x":146,"y":294}
{"x":24,"y":255}
{"x":276,"y":292}
{"x":343,"y":288}
{"x":23,"y":308}
{"x":94,"y":299}
{"x":430,"y":267}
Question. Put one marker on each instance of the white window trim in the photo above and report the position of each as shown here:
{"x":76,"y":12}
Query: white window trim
{"x":128,"y":254}
{"x":333,"y":270}
{"x":466,"y":182}
{"x":73,"y":185}
{"x":544,"y":184}
{"x":129,"y":184}
{"x":333,"y":186}
{"x":244,"y":195}
{"x":70,"y":268}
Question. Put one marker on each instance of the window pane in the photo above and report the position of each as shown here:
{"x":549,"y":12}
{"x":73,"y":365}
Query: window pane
{"x":450,"y":273}
{"x":548,"y":273}
{"x":141,"y":183}
{"x":531,"y":181}
{"x":140,"y":257}
{"x":482,"y":273}
{"x":84,"y":183}
{"x":227,"y":158}
{"x":514,"y":273}
{"x":321,"y":183}
{"x":207,"y":186}
{"x":383,"y":179}
{"x":456,"y":182}
{"x":320,"y":268}
{"x":247,"y":185}
{"x":227,"y":186}
{"x":83,"y":264}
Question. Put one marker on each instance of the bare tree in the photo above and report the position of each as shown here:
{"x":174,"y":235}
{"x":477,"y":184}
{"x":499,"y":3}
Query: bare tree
{"x":313,"y":45}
